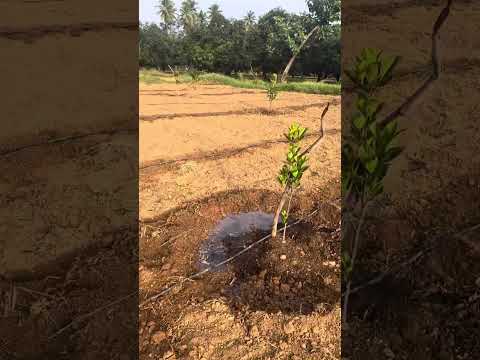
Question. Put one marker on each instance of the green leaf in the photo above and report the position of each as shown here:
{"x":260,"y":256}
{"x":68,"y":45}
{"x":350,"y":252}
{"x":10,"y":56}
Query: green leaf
{"x":359,"y":121}
{"x":388,"y":64}
{"x":372,"y":165}
{"x":362,"y":66}
{"x":371,"y":55}
{"x":372,"y":107}
{"x":391,"y":127}
{"x":376,"y":189}
{"x":362,"y":153}
{"x":372,"y":73}
{"x":361,"y":103}
{"x":370,"y":143}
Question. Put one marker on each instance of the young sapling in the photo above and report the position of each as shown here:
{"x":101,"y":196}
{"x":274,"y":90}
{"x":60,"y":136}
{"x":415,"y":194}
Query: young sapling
{"x":272,"y":90}
{"x":367,"y":152}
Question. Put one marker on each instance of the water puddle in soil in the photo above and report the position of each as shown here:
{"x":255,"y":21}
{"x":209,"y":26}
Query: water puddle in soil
{"x":231,"y":235}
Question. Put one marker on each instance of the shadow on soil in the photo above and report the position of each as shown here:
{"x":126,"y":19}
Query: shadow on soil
{"x":429,"y":308}
{"x":265,"y":111}
{"x":56,"y":316}
{"x":216,"y":155}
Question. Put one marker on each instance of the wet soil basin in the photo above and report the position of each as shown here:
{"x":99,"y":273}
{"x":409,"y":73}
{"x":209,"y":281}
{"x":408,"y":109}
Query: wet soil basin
{"x":233,"y":234}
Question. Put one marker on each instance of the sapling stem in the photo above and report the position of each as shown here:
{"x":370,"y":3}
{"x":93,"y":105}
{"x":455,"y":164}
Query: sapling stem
{"x":287,"y":214}
{"x":277,"y":213}
{"x":356,"y":241}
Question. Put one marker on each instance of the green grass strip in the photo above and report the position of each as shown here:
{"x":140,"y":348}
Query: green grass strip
{"x":309,"y":87}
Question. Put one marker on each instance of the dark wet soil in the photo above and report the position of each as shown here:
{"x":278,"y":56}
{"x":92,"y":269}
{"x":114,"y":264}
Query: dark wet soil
{"x":298,"y":276}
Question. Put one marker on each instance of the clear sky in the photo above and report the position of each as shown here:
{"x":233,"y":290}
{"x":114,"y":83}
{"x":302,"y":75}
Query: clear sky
{"x":231,"y":8}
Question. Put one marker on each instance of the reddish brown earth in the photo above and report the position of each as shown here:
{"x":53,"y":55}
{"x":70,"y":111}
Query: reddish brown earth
{"x":209,"y":152}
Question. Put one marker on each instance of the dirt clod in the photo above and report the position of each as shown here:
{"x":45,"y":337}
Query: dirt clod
{"x":158,"y":337}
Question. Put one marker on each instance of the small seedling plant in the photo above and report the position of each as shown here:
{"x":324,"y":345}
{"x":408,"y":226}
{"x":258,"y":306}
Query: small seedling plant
{"x":177,"y":78}
{"x":292,"y":171}
{"x":176,"y":74}
{"x":195,"y":75}
{"x":368,"y":151}
{"x":272,"y":90}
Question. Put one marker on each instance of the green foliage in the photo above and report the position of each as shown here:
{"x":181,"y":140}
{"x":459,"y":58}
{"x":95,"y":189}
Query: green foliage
{"x":371,"y":70}
{"x":156,"y":47}
{"x":291,"y":173}
{"x":369,"y":150}
{"x":290,"y":30}
{"x":325,"y":12}
{"x":310,"y":88}
{"x":189,"y":16}
{"x":272,"y":91}
{"x":166,"y":10}
{"x":296,"y":163}
{"x":153,"y":76}
{"x":194,"y":74}
{"x":212,"y":43}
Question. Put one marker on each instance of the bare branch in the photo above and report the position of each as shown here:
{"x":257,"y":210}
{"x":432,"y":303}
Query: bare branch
{"x":316,"y":142}
{"x":405,"y":106}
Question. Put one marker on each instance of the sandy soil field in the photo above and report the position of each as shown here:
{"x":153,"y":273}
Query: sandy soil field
{"x":207,"y":153}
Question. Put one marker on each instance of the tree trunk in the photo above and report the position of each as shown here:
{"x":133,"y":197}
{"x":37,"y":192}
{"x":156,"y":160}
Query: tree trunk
{"x":291,"y":61}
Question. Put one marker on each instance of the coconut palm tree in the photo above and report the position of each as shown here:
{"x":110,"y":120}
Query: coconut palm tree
{"x":189,"y":15}
{"x":215,"y":16}
{"x":202,"y":18}
{"x":249,"y":20}
{"x":166,"y":10}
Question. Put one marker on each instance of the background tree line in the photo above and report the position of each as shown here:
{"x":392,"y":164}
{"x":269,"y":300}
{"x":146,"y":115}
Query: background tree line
{"x":211,"y":42}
